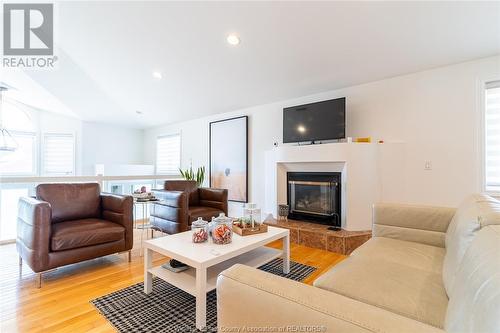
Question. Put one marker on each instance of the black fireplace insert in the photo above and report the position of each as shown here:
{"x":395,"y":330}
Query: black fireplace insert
{"x":315,"y":196}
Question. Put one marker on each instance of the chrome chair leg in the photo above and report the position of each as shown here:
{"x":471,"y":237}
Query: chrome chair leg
{"x":38,"y":280}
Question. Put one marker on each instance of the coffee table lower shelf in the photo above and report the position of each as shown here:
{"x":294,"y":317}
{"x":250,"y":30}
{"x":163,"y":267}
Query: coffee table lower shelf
{"x":186,"y":280}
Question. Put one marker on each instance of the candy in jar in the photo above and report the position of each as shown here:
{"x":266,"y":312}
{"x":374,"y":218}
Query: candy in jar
{"x":222,"y":232}
{"x":199,"y":231}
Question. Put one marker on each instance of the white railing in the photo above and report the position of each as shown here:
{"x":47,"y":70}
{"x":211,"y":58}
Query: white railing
{"x":11,"y":188}
{"x":80,"y":179}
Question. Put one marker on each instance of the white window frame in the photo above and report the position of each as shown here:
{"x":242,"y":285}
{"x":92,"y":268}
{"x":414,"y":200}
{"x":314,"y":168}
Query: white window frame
{"x":482,"y":137}
{"x":42,"y":153}
{"x":35,"y":156}
{"x":179,"y":134}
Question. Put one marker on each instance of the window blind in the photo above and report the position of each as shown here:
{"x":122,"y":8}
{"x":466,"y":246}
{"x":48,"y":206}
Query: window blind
{"x":168,"y":154}
{"x":492,"y":136}
{"x":59,"y":154}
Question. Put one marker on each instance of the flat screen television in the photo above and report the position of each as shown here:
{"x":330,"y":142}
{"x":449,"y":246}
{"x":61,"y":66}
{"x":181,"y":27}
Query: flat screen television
{"x":314,"y":122}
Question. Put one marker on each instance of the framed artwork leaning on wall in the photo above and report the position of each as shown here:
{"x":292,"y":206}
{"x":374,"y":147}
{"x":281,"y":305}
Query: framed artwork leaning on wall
{"x":229,"y":157}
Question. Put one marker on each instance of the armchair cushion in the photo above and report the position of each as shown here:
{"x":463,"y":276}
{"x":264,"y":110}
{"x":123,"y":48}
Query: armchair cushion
{"x":214,"y":197}
{"x":205,"y":212}
{"x":86,"y":232}
{"x":71,"y":201}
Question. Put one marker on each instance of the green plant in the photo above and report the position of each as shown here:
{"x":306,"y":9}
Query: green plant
{"x":189,"y":174}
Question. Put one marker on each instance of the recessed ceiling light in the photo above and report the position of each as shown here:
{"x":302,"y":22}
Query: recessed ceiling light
{"x":233,"y":39}
{"x":157,"y":75}
{"x":138,"y":112}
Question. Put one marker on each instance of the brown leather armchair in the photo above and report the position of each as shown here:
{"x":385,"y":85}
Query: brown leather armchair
{"x":182,"y":202}
{"x":69,"y":223}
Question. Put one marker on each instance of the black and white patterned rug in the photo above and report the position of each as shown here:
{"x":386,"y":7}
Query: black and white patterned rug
{"x":169,"y":309}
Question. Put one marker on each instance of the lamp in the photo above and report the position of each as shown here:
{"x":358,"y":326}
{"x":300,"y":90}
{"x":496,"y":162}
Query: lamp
{"x":7,"y":142}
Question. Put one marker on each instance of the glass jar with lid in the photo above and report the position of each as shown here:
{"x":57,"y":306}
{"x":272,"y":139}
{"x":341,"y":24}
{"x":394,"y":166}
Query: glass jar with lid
{"x":199,"y":230}
{"x":252,"y":216}
{"x":222,"y":230}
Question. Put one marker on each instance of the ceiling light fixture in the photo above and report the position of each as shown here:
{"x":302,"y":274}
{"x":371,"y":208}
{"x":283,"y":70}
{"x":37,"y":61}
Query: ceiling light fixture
{"x":157,"y":75}
{"x":233,"y":39}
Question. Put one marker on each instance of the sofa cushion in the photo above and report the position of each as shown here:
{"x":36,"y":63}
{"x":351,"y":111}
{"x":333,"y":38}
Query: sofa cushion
{"x":408,"y":291}
{"x":416,"y":255}
{"x":71,"y":201}
{"x":79,"y":233}
{"x":475,"y":300}
{"x":201,"y":211}
{"x":474,"y":212}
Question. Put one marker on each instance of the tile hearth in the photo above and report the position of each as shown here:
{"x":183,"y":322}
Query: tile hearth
{"x":318,"y":236}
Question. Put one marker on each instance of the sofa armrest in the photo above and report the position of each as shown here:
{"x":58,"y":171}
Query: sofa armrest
{"x":416,"y":223}
{"x":170,"y":213}
{"x":213,"y":197}
{"x":252,"y":300}
{"x":120,"y":209}
{"x":33,"y":232}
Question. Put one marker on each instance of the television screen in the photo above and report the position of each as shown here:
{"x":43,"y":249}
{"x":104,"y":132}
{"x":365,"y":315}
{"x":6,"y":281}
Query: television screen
{"x":314,"y":122}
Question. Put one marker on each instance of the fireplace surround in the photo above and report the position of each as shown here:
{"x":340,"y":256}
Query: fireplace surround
{"x":316,"y":197}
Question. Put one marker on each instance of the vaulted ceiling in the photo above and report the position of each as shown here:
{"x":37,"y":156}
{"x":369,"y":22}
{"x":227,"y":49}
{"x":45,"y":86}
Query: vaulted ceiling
{"x":108,"y":51}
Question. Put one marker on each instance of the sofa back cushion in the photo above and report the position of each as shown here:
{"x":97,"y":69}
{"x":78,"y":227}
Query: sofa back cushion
{"x":188,"y":186}
{"x":71,"y":201}
{"x":474,"y":304}
{"x":475,"y":212}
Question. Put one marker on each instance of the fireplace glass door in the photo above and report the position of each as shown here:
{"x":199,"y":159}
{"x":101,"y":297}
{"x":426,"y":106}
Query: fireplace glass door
{"x":314,"y":196}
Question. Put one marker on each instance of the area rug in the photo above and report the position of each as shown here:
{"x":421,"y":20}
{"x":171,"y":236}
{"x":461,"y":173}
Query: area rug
{"x":169,"y":309}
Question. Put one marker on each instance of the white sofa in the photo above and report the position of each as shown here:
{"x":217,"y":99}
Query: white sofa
{"x":426,"y":269}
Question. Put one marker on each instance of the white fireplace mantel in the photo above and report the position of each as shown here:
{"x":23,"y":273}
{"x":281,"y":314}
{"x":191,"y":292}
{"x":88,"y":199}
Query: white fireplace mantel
{"x":362,"y":170}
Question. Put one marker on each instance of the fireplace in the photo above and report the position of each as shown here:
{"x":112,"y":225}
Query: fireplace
{"x":315,"y":196}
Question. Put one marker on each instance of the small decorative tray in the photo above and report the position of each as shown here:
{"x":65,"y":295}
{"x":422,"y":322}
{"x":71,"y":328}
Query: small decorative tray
{"x":249,"y":230}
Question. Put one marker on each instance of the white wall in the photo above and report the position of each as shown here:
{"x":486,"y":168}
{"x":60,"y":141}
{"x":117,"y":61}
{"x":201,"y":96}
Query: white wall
{"x":435,"y":112}
{"x":96,"y":143}
{"x":108,"y":144}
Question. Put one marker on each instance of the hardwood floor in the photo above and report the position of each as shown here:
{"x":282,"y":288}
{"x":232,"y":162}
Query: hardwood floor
{"x":62,"y":304}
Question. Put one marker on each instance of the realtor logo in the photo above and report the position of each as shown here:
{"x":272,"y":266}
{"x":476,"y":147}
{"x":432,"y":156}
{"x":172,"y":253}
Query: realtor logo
{"x":28,"y":29}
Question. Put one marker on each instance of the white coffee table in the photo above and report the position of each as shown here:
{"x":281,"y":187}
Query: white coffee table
{"x":207,"y":260}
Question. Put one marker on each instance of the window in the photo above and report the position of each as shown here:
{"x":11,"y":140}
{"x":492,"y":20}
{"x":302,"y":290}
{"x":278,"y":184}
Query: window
{"x":22,"y":161}
{"x":58,"y":154}
{"x":19,"y":122}
{"x":17,"y":117}
{"x":492,"y":136}
{"x":168,"y":154}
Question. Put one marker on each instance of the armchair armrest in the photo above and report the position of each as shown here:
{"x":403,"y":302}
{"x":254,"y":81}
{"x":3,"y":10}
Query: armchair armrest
{"x":33,"y":232}
{"x":416,"y":223}
{"x":249,"y":298}
{"x":171,"y":198}
{"x":119,"y":209}
{"x":213,"y":197}
{"x":170,"y":214}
